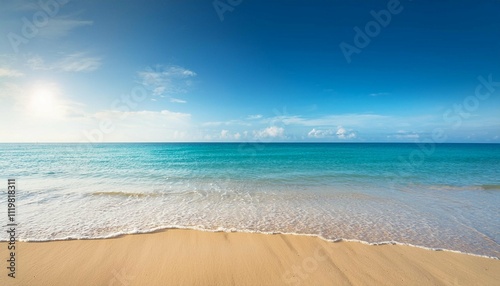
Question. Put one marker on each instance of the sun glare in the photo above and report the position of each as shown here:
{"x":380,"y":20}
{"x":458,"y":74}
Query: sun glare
{"x":43,"y":101}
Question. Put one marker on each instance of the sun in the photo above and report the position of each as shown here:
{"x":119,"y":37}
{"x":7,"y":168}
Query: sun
{"x":43,"y":101}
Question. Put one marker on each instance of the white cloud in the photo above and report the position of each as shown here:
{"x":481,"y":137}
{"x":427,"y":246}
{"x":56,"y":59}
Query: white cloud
{"x":166,"y":80}
{"x":6,"y":72}
{"x":318,"y":133}
{"x":254,"y":117}
{"x":227,"y":135}
{"x":402,"y":134}
{"x":343,"y":133}
{"x":357,"y":121}
{"x":270,"y":132}
{"x":338,"y":127}
{"x":224,"y":134}
{"x":76,"y":62}
{"x":340,"y":133}
{"x":176,"y":100}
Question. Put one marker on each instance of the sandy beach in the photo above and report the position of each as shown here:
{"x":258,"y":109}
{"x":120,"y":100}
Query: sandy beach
{"x":190,"y":257}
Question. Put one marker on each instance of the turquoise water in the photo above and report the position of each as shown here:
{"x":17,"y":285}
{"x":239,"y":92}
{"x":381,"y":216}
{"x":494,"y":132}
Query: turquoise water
{"x":443,"y":196}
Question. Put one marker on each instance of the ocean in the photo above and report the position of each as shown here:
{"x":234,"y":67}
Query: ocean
{"x":438,"y":196}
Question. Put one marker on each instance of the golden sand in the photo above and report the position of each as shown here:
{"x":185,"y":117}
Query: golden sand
{"x":190,"y":257}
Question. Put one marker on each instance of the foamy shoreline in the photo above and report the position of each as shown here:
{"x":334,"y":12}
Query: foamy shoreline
{"x":161,"y":229}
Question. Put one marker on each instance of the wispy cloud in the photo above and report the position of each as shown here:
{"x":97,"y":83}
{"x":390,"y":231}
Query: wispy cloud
{"x":176,"y":100}
{"x":335,"y":126}
{"x":20,"y":5}
{"x":7,"y":72}
{"x":404,"y":135}
{"x":164,"y":114}
{"x":35,"y":62}
{"x":167,"y":80}
{"x":146,"y":125}
{"x":379,"y":94}
{"x":58,"y":24}
{"x":10,"y":91}
{"x":61,"y":26}
{"x":234,"y":122}
{"x":254,"y":117}
{"x":76,"y":62}
{"x":332,"y":120}
{"x":323,"y":126}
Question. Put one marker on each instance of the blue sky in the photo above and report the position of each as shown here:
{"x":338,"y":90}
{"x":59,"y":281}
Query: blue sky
{"x":108,"y":71}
